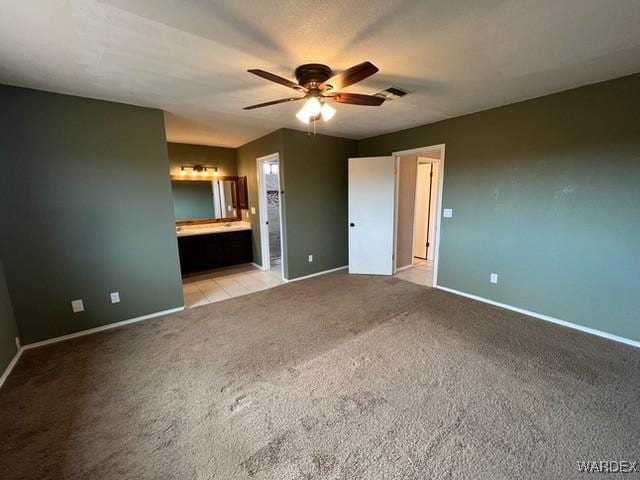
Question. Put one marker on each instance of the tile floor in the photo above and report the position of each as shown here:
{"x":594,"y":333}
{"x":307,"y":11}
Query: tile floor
{"x":216,"y":285}
{"x":421,"y":272}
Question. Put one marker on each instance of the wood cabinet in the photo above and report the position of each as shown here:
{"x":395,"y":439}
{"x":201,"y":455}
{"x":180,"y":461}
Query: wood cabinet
{"x":214,"y":250}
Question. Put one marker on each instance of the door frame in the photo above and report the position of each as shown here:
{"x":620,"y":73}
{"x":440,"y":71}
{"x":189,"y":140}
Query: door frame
{"x":436,"y":252}
{"x":265,"y":252}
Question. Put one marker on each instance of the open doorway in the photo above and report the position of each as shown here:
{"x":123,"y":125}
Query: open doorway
{"x":419,"y":189}
{"x":270,"y":193}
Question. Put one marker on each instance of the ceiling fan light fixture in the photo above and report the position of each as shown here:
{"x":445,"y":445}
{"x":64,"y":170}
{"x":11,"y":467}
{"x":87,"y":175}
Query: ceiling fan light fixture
{"x":303,"y":116}
{"x":313,"y":109}
{"x":319,"y":84}
{"x":313,"y":106}
{"x":327,"y":112}
{"x":310,"y":110}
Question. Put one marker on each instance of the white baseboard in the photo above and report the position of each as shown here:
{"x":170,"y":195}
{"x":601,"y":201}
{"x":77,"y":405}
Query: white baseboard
{"x":12,"y":364}
{"x":102,"y":328}
{"x":546,"y":318}
{"x":315,"y":274}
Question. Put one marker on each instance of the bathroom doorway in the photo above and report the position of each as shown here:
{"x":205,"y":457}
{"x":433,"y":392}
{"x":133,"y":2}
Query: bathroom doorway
{"x":419,"y":182}
{"x":270,"y":204}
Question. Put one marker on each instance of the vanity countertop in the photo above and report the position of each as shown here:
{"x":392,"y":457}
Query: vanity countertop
{"x":206,"y":228}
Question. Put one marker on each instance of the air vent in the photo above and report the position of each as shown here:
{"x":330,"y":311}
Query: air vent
{"x":392,"y":93}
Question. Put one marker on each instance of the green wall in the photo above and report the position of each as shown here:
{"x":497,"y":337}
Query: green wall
{"x":185,"y":154}
{"x":85,"y":210}
{"x":247,"y":167}
{"x":546,"y":193}
{"x":8,"y":329}
{"x":192,"y":200}
{"x":313,"y":175}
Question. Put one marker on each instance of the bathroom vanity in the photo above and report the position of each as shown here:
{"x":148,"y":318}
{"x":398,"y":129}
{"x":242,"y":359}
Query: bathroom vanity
{"x":215,"y":246}
{"x":209,"y":226}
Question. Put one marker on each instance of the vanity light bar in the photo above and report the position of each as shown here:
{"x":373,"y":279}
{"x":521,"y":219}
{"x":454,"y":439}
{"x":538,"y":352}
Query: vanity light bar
{"x":197,"y":170}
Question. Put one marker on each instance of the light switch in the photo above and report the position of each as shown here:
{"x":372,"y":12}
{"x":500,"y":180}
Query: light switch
{"x":115,"y":297}
{"x":77,"y":306}
{"x":310,"y":258}
{"x":253,"y":210}
{"x":447,"y":213}
{"x":494,"y":278}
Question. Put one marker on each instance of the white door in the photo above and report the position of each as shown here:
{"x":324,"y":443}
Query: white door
{"x":371,"y":211}
{"x":423,"y":190}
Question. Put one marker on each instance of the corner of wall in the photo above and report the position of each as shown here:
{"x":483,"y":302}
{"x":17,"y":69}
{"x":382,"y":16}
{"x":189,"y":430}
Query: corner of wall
{"x":8,"y":325}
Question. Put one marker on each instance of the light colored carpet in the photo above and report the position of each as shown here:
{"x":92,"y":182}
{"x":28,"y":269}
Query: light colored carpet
{"x":336,"y":377}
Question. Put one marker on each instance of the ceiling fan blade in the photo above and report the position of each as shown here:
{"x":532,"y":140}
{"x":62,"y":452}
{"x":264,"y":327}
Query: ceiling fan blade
{"x":273,"y":102}
{"x":356,"y":99}
{"x":275,"y":78}
{"x":350,"y":76}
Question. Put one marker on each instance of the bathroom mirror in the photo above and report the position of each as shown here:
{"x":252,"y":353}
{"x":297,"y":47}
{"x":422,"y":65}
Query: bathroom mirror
{"x":201,"y":200}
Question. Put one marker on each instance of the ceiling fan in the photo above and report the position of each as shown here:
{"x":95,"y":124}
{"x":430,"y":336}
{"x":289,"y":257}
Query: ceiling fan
{"x":318,"y":86}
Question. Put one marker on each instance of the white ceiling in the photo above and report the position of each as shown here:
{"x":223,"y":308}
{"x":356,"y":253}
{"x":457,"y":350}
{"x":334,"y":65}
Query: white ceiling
{"x":190,"y":58}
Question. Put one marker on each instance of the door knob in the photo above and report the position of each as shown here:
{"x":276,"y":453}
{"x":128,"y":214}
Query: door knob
{"x":352,"y":224}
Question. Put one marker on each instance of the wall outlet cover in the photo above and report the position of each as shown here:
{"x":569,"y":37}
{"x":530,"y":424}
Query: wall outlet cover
{"x":310,"y":258}
{"x":447,"y":213}
{"x":494,"y":278}
{"x":115,"y":297}
{"x":253,"y":210}
{"x":77,"y":306}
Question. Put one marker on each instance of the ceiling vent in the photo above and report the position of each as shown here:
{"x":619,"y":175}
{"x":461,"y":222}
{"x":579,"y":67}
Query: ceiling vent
{"x":392,"y":93}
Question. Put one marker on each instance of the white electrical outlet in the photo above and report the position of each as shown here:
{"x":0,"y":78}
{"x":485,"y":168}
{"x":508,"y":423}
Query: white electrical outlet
{"x":447,"y":213}
{"x":253,"y":210}
{"x":115,"y":297}
{"x":494,"y":278}
{"x":77,"y":306}
{"x":310,"y":258}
